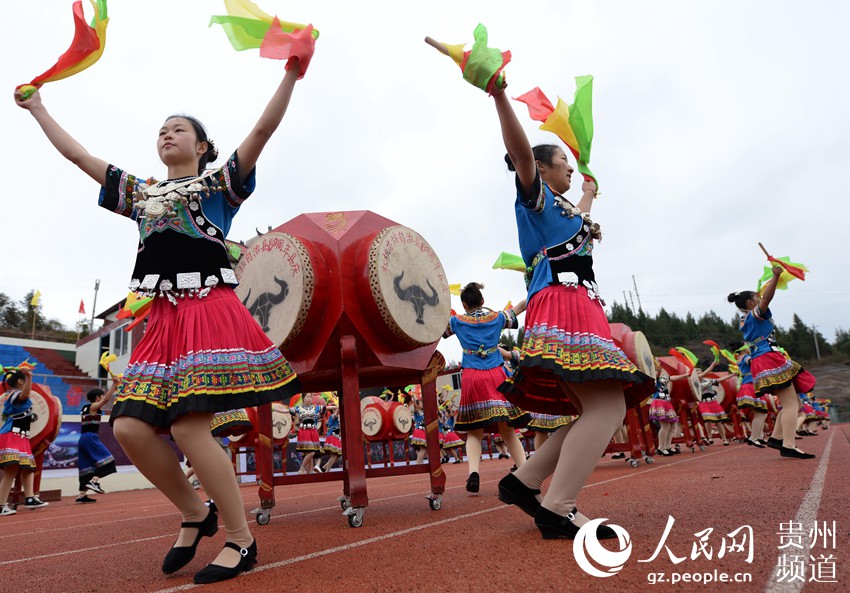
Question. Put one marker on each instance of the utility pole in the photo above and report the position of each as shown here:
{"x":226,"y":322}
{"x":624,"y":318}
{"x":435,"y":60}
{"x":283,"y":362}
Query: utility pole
{"x":631,"y":297}
{"x":815,"y":334}
{"x":636,"y":292}
{"x":625,"y":300}
{"x":94,"y":305}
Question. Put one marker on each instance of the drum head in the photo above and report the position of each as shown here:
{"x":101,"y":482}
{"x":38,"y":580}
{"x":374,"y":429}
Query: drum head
{"x":370,"y":399}
{"x":693,"y":383}
{"x":639,"y":348}
{"x":371,"y":421}
{"x":276,"y":284}
{"x":720,"y":394}
{"x":48,"y":410}
{"x":281,"y":422}
{"x":409,"y":286}
{"x":402,"y":419}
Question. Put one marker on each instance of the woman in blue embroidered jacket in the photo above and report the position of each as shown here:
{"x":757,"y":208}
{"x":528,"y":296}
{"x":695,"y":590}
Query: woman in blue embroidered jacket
{"x":202,"y":352}
{"x":481,"y":404}
{"x":570,"y":364}
{"x":772,"y":371}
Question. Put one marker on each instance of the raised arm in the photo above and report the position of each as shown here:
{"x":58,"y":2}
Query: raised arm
{"x":27,"y":386}
{"x":770,"y":289}
{"x":62,"y":140}
{"x":251,"y":147}
{"x":516,"y":142}
{"x":116,"y":381}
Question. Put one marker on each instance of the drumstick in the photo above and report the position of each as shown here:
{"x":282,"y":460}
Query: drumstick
{"x":765,"y":250}
{"x":437,"y":45}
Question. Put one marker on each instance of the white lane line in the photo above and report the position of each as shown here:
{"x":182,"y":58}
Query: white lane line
{"x":806,"y":516}
{"x":352,"y":545}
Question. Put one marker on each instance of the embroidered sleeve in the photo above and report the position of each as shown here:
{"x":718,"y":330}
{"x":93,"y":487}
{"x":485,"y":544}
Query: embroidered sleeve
{"x":449,"y":331}
{"x":511,"y":321}
{"x":761,"y":316}
{"x":117,"y":195}
{"x":234,"y":190}
{"x":536,"y":198}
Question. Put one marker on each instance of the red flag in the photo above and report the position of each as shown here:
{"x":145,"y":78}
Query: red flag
{"x":795,"y":271}
{"x":82,"y":308}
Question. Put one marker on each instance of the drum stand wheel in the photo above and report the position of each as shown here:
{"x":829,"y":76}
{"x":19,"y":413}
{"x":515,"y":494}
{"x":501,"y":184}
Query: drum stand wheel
{"x":648,"y":459}
{"x":263,"y":516}
{"x":355,"y":516}
{"x":633,"y":462}
{"x":344,"y":502}
{"x":435,"y":501}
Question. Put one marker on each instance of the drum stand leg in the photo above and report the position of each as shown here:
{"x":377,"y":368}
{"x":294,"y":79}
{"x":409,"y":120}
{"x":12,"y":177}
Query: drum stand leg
{"x":355,"y":470}
{"x":264,"y":457}
{"x":432,"y":440}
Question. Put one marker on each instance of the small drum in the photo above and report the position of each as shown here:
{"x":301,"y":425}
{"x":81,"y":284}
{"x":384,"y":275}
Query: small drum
{"x":402,"y":420}
{"x":721,"y":396}
{"x":374,"y":419}
{"x":283,"y":283}
{"x":693,"y":384}
{"x":405,"y":287}
{"x":281,"y":427}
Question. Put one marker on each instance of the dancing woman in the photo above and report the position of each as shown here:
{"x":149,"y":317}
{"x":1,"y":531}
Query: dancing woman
{"x":570,"y":364}
{"x":772,"y":371}
{"x":202,"y":351}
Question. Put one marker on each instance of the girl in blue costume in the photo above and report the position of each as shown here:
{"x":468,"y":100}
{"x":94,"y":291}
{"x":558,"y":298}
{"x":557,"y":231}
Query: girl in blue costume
{"x":747,"y":398}
{"x":333,"y":444}
{"x":772,"y":371}
{"x":307,"y":441}
{"x":202,"y":351}
{"x":481,"y":404}
{"x":95,"y":461}
{"x":15,"y":450}
{"x":570,"y":364}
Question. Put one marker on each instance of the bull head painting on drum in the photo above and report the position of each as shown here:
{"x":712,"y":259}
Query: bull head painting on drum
{"x":263,"y":304}
{"x":416,"y":296}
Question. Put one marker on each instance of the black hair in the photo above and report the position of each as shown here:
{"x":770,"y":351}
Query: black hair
{"x":12,"y":377}
{"x":740,"y":298}
{"x":201,"y":134}
{"x":93,"y":394}
{"x":545,"y":153}
{"x":471,"y":295}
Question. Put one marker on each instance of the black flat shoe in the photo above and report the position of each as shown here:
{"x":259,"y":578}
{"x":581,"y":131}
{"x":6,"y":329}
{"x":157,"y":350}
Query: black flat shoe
{"x":755,"y":443}
{"x":665,"y":452}
{"x":795,"y":453}
{"x":213,"y":573}
{"x":512,"y":491}
{"x":178,"y":557}
{"x":774,"y":443}
{"x":554,"y":526}
{"x":472,"y":482}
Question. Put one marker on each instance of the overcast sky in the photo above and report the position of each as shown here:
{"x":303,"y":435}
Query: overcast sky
{"x":718,"y":124}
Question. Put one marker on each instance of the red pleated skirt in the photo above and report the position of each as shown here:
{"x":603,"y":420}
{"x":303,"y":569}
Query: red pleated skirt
{"x":15,"y":450}
{"x":568,"y":340}
{"x":482,"y":405}
{"x":202,"y":355}
{"x":773,"y":371}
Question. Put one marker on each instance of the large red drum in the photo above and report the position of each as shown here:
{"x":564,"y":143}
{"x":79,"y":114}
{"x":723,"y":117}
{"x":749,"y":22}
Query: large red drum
{"x":686,"y":390}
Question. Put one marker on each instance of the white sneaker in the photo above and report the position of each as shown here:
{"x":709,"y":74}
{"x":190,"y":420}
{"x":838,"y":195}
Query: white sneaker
{"x":7,"y":509}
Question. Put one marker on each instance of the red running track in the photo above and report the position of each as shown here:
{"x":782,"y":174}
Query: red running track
{"x":473,"y":542}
